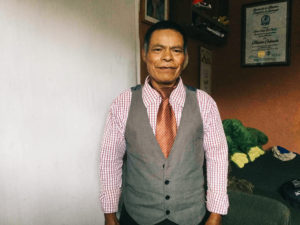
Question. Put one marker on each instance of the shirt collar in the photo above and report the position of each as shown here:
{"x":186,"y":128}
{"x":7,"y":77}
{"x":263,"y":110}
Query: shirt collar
{"x":150,"y":95}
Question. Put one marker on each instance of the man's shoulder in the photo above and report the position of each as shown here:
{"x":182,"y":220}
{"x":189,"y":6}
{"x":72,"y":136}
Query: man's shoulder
{"x":125,"y":96}
{"x":136,"y":87}
{"x":190,"y":88}
{"x":127,"y":92}
{"x":200,"y":93}
{"x":203,"y":97}
{"x":203,"y":93}
{"x":122,"y":99}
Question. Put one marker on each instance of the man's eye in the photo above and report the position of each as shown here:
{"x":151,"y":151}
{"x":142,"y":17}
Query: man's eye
{"x":178,"y":50}
{"x":156,"y":49}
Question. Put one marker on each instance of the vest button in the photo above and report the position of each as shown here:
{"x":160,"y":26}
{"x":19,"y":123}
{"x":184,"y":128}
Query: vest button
{"x":167,"y":197}
{"x":168,"y":212}
{"x":167,"y":182}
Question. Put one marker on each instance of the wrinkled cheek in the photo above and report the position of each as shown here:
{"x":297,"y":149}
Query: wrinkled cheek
{"x":178,"y":71}
{"x":150,"y":68}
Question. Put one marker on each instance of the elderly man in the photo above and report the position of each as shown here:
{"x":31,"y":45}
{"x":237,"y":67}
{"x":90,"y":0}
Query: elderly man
{"x":166,"y":130}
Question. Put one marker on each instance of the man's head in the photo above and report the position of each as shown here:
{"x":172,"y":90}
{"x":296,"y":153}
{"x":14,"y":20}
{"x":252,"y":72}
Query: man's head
{"x":164,"y":25}
{"x":165,"y":53}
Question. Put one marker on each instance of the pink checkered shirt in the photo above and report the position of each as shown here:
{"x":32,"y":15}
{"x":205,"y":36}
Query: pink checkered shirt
{"x":113,"y":146}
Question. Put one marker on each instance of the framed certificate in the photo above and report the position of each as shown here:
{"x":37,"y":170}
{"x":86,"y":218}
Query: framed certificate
{"x":266,"y":33}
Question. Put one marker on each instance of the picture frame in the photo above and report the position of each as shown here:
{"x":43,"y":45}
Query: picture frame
{"x":154,"y":11}
{"x":266,"y":33}
{"x":206,"y":57}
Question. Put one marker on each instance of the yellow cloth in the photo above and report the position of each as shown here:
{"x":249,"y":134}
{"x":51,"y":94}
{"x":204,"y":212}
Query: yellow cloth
{"x":240,"y":159}
{"x":255,"y":152}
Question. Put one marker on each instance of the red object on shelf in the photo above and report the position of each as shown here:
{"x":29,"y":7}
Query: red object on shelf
{"x":202,"y":4}
{"x":197,"y":1}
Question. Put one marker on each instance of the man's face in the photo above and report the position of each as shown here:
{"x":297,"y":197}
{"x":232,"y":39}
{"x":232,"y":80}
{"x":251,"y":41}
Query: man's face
{"x":165,"y":57}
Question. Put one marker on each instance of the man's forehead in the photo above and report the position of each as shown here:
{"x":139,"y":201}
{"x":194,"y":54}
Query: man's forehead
{"x":163,"y":35}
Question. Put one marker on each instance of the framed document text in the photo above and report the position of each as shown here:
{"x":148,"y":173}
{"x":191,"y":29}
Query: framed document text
{"x":266,"y":33}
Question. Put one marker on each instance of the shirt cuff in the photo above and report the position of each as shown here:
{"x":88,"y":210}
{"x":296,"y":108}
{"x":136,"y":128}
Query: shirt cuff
{"x":217,"y":202}
{"x":110,"y":200}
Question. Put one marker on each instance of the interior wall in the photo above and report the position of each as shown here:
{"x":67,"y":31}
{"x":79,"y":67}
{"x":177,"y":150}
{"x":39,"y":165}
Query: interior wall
{"x":266,"y":98}
{"x":61,"y":64}
{"x":143,"y":27}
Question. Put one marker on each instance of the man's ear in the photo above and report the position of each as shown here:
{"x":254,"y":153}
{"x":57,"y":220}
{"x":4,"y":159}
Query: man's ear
{"x":186,"y":61}
{"x":144,"y":55}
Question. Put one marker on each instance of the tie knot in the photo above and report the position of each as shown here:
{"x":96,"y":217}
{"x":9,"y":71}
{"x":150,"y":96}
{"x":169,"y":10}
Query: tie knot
{"x":165,"y":92}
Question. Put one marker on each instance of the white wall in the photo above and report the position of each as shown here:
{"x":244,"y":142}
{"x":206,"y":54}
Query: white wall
{"x":61,"y":64}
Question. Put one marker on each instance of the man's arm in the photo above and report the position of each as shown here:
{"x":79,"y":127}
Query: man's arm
{"x":111,"y":157}
{"x":214,"y":219}
{"x":216,"y":153}
{"x":111,"y":219}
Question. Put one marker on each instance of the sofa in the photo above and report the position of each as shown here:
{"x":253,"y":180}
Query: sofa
{"x":265,"y":206}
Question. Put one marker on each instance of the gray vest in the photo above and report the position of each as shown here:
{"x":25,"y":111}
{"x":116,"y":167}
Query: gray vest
{"x":156,"y":188}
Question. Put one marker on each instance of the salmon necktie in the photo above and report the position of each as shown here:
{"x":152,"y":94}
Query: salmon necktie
{"x":166,"y":123}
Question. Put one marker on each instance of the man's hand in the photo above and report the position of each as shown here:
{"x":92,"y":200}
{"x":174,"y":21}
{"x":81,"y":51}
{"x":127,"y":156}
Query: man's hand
{"x":111,"y":219}
{"x":214,"y":219}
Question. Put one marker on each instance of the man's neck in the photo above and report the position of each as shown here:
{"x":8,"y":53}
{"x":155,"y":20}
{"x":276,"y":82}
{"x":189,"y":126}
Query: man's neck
{"x":163,"y":86}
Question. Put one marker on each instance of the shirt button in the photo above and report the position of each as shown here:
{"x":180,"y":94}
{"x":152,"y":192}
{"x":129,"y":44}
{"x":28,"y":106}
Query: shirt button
{"x":167,"y":197}
{"x":167,"y":182}
{"x":168,"y":212}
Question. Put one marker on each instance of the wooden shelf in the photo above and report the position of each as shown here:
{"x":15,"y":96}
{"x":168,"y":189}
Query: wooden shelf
{"x":196,"y":20}
{"x":208,"y":18}
{"x":200,"y":33}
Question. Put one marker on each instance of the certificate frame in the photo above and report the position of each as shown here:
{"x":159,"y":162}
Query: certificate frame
{"x":266,"y":33}
{"x":151,"y":16}
{"x":206,"y":58}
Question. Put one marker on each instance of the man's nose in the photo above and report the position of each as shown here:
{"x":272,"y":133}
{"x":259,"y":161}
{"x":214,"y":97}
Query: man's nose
{"x":167,"y":55}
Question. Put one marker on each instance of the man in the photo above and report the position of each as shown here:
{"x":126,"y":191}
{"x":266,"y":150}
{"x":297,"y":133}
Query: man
{"x":165,"y":128}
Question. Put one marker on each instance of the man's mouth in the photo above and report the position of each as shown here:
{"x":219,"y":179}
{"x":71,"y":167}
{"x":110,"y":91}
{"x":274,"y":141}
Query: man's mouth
{"x":167,"y":67}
